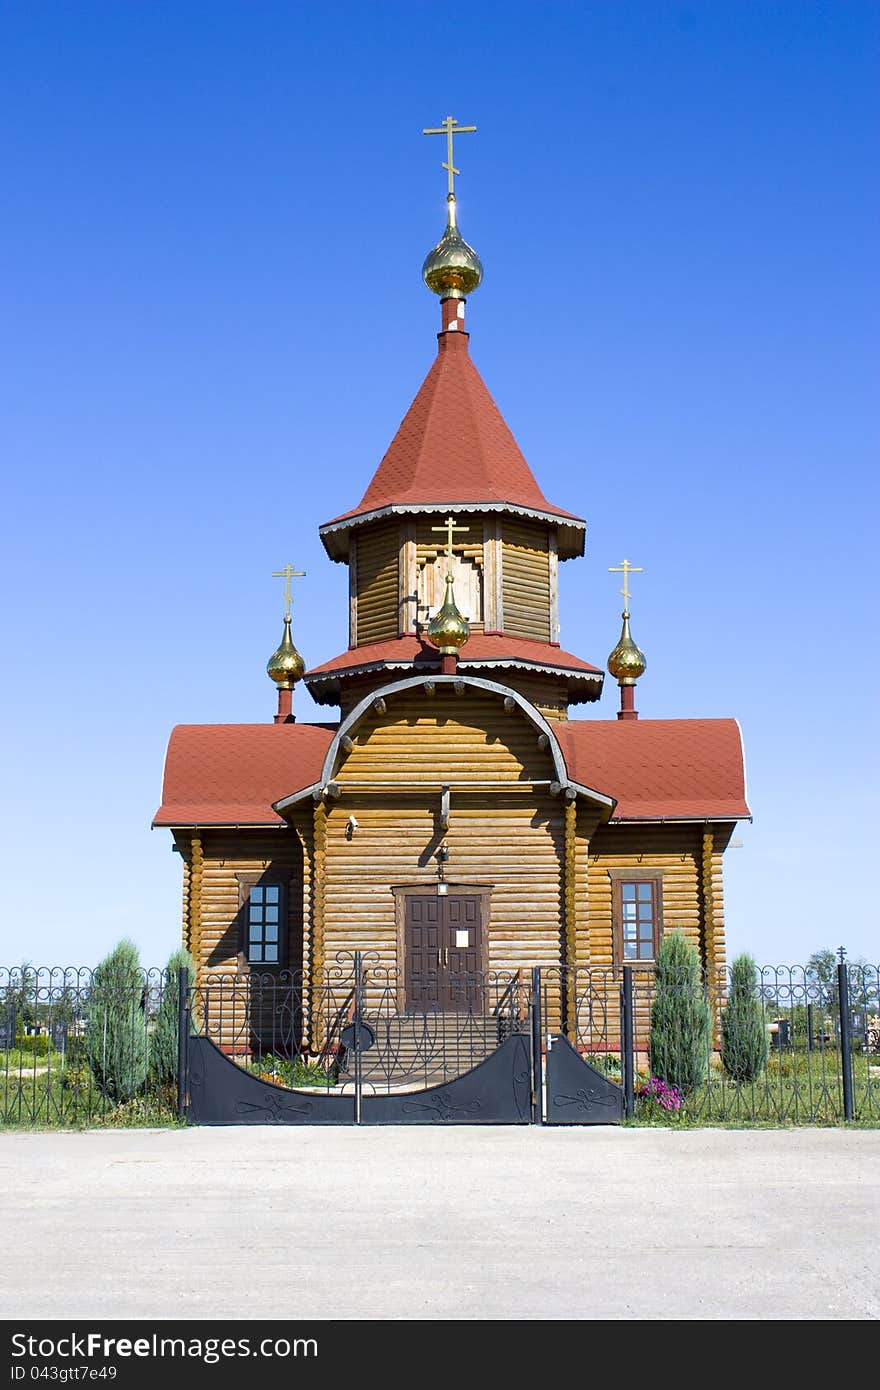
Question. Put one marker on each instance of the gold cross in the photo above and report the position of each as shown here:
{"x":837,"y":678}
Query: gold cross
{"x":626,"y":569}
{"x":287,"y":574}
{"x":449,"y":128}
{"x":449,"y":526}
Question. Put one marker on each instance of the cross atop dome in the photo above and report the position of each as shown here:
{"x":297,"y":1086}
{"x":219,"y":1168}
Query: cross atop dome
{"x":450,"y":128}
{"x":453,"y":269}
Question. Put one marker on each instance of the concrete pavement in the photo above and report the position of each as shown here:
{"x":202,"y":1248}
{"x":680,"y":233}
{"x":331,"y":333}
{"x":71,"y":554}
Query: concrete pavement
{"x":441,"y":1223}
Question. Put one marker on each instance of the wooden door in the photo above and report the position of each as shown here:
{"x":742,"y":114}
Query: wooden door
{"x":443,"y":948}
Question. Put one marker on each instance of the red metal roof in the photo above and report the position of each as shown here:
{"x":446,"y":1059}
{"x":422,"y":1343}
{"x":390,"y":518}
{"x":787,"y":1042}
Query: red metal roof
{"x":659,"y":769}
{"x":229,"y":774}
{"x":454,"y":449}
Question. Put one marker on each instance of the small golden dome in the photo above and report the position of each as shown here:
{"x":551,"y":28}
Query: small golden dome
{"x":626,"y":662}
{"x":286,"y":666}
{"x":453,"y":269}
{"x":448,"y":630}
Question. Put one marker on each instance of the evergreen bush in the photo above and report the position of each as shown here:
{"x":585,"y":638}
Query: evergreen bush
{"x":116,"y":1026}
{"x":745,"y":1043}
{"x":163,"y":1043}
{"x":681,"y":1025}
{"x":40,"y":1044}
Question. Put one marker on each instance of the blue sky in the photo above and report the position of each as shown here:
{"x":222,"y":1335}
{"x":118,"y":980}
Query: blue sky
{"x":214,"y":222}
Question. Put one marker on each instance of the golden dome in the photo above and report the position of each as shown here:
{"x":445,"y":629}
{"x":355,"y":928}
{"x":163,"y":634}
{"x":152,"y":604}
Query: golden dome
{"x":626,"y":662}
{"x":448,"y":630}
{"x":286,"y":666}
{"x":453,"y":269}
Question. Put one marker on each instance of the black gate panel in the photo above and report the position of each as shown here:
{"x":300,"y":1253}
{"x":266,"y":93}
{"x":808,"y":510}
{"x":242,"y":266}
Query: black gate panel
{"x":223,"y":1093}
{"x":497,"y":1091}
{"x":578,"y":1094}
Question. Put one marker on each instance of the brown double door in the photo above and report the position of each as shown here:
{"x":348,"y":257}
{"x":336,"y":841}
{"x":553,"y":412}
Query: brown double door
{"x":443,"y":952}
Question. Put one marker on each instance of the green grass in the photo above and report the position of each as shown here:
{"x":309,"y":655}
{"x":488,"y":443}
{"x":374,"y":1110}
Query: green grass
{"x":25,"y":1061}
{"x":71,"y":1100}
{"x":296,"y":1072}
{"x":797,"y":1088}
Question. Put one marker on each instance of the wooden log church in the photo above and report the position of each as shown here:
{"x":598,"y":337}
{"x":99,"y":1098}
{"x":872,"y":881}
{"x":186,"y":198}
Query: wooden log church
{"x":452,"y":815}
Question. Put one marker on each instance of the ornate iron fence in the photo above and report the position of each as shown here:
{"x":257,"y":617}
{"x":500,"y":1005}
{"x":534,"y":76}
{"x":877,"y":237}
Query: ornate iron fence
{"x":74,"y":1053}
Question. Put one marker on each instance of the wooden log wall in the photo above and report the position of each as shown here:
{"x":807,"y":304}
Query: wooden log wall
{"x":548,"y":693}
{"x":525,"y":579}
{"x":377,"y":561}
{"x":226,"y":854}
{"x":678,"y":853}
{"x":674,"y":850}
{"x":195,"y":877}
{"x":509,"y":840}
{"x":183,"y":845}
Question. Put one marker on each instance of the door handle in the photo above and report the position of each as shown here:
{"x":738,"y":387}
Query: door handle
{"x":446,"y":957}
{"x":439,"y":954}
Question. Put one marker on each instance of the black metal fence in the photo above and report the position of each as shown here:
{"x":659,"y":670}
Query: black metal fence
{"x":822,"y":1030}
{"x":74,"y":1053}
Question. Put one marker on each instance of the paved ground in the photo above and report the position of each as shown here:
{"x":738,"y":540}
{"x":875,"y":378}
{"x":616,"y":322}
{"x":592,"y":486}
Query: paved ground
{"x":427,"y":1223}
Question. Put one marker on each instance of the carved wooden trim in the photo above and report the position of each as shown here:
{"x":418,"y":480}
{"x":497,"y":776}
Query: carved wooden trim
{"x":318,"y":900}
{"x":707,"y":894}
{"x":407,"y":579}
{"x":493,"y":613}
{"x":195,"y":900}
{"x":570,"y":918}
{"x":248,"y":879}
{"x":553,"y":558}
{"x":639,"y":874}
{"x":352,"y":593}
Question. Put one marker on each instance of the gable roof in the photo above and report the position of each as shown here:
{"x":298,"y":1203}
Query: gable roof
{"x":453,"y":450}
{"x":660,"y":769}
{"x":485,"y":652}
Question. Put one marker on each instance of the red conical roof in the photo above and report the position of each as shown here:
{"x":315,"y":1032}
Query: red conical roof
{"x":453,"y":450}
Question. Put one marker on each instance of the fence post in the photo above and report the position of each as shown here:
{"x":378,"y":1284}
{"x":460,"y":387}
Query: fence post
{"x":537,"y":1065}
{"x":182,"y":1041}
{"x":357,"y":1037}
{"x":845,"y":1040}
{"x":626,"y":1042}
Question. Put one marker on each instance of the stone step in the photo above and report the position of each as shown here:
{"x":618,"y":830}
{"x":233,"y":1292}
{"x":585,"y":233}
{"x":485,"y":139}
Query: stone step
{"x":425,"y":1049}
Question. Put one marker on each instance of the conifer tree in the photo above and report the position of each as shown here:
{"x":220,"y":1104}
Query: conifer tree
{"x":681,"y":1026}
{"x":116,"y":1025}
{"x":163,"y":1043}
{"x":745,"y":1043}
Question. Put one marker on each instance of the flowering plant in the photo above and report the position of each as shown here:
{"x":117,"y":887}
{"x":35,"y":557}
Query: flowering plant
{"x":667,"y":1097}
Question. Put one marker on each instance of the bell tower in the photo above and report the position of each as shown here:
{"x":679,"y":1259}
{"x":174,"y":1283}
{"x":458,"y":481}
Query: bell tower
{"x":454,"y":455}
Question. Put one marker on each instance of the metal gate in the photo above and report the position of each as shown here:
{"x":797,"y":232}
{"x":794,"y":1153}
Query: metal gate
{"x":352,"y":1049}
{"x":585,"y":1026}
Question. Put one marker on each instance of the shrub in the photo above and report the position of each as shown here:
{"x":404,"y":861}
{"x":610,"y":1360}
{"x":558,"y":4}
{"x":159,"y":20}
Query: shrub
{"x":295,"y":1072}
{"x":163,"y":1043}
{"x":745,"y":1044}
{"x":681,"y":1028}
{"x":39,"y":1044}
{"x":116,"y":1032}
